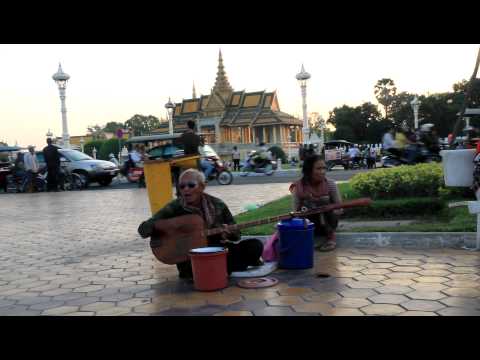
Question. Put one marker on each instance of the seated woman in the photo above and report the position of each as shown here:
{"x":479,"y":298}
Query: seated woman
{"x":215,"y":213}
{"x":314,"y":190}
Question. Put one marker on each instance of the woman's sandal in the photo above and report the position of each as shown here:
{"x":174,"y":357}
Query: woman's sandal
{"x":328,"y":246}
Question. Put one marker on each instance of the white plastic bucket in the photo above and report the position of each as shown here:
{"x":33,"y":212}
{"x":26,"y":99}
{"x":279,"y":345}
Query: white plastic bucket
{"x":458,"y":167}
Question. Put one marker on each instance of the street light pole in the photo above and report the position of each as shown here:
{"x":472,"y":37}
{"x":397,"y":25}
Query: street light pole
{"x":302,"y":78}
{"x":415,"y":106}
{"x":170,"y":106}
{"x":61,"y":79}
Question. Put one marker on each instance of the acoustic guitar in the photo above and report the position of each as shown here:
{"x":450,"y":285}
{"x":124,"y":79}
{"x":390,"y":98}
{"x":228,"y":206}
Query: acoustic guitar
{"x":175,"y":237}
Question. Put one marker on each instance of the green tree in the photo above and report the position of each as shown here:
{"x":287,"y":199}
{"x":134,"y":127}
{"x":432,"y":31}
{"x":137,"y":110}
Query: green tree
{"x":278,"y":153}
{"x":354,"y":123}
{"x":96,"y":132}
{"x":385,"y":91}
{"x":142,"y":125}
{"x":88,"y":147}
{"x":109,"y":147}
{"x":112,"y":127}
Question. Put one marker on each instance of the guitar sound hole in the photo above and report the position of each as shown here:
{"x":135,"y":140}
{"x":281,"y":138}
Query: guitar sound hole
{"x":322,"y":275}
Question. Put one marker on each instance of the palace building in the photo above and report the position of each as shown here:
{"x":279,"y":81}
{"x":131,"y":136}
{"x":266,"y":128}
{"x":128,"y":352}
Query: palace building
{"x":227,"y":117}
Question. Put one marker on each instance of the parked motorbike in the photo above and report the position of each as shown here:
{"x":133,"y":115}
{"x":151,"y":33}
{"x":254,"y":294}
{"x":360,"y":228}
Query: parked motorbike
{"x":220,"y":171}
{"x":395,"y":157}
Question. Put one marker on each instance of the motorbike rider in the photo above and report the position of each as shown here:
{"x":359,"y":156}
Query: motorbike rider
{"x":429,"y":138}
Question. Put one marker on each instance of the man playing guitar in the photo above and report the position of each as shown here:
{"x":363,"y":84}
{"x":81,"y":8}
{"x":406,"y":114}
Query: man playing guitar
{"x":215,"y":214}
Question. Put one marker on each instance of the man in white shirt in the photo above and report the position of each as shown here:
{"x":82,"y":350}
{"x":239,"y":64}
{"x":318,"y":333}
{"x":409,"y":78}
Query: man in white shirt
{"x":354,"y":154}
{"x":388,"y":140}
{"x":30,"y":163}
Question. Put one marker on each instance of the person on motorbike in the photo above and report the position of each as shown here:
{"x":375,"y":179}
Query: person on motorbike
{"x":405,"y":143}
{"x":207,"y":167}
{"x":113,"y":159}
{"x":354,"y":156}
{"x":429,"y":138}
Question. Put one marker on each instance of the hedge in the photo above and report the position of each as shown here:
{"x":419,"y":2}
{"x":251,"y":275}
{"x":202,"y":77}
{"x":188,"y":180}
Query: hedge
{"x":397,"y":208}
{"x":400,"y":182}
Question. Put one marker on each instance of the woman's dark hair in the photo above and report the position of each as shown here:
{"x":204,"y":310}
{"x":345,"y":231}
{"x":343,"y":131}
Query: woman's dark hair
{"x":307,"y":168}
{"x":191,"y":124}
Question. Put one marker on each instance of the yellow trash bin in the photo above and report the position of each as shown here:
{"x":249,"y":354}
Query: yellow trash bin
{"x":158,"y":179}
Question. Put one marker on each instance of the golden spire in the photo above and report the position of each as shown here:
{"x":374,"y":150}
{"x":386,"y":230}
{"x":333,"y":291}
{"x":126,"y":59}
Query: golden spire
{"x":222,"y":85}
{"x":194,"y":95}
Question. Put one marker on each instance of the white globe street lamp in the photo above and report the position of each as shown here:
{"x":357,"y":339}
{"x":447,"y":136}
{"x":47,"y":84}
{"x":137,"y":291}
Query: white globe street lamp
{"x":170,"y":106}
{"x":61,"y":79}
{"x":415,"y":106}
{"x":302,"y":78}
{"x":49,"y":134}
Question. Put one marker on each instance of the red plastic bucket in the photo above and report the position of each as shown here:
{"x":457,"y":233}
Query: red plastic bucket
{"x":209,"y":265}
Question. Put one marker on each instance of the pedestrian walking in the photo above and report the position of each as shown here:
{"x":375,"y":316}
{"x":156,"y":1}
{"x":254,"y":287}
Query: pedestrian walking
{"x":236,"y":159}
{"x":52,"y":158}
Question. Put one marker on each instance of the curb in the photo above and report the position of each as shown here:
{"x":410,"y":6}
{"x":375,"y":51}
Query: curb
{"x":407,"y":240}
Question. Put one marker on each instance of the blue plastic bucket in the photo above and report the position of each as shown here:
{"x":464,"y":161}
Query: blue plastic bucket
{"x":296,"y":248}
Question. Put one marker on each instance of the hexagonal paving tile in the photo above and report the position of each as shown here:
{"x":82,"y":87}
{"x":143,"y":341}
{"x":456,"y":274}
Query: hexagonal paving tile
{"x":380,"y":266}
{"x":401,"y":282}
{"x":381,"y":259}
{"x":382,"y":309}
{"x":431,"y":279}
{"x":224,"y":300}
{"x":418,"y":313}
{"x":322,"y":297}
{"x":131,"y":303}
{"x":435,"y":266}
{"x":62,"y":310}
{"x":151,"y":308}
{"x":434,"y":272}
{"x":388,"y":299}
{"x":405,"y":269}
{"x":394,"y":289}
{"x":295,"y":291}
{"x":351,"y":303}
{"x":462,"y":292}
{"x":81,"y":313}
{"x":312,"y":307}
{"x":114,"y":311}
{"x":358,"y":293}
{"x":426,"y":295}
{"x":464,"y":277}
{"x":408,"y":262}
{"x":370,"y":278}
{"x":364,"y":284}
{"x":453,"y":311}
{"x":234,"y":313}
{"x":402,"y":275}
{"x":423,"y":305}
{"x":97,"y":306}
{"x":263,"y":295}
{"x":428,"y":286}
{"x":285,"y":301}
{"x":463,"y":284}
{"x":274,"y":311}
{"x":464,"y":270}
{"x":375,"y":271}
{"x":455,"y":301}
{"x":342,"y":311}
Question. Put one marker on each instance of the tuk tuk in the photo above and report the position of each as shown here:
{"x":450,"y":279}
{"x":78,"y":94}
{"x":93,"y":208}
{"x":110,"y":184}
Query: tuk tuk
{"x":336,"y":153}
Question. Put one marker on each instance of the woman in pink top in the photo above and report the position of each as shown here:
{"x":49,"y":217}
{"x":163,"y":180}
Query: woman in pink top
{"x":314,"y":189}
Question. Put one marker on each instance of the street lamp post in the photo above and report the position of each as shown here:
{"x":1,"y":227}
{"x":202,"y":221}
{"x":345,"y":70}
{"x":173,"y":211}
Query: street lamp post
{"x":302,"y":78}
{"x":49,"y":134}
{"x":82,"y":141}
{"x":170,"y":106}
{"x":290,"y":143}
{"x":415,"y":106}
{"x":61,"y":79}
{"x":321,"y":123}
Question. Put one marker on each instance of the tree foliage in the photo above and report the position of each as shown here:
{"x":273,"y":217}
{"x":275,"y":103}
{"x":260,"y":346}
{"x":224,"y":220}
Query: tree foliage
{"x":385,"y":92}
{"x":113,"y":126}
{"x":142,"y":125}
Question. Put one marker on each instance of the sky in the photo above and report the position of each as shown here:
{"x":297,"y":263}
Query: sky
{"x":115,"y":82}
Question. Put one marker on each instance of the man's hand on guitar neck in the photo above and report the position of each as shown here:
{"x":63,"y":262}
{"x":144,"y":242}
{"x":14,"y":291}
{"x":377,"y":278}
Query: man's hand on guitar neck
{"x":225,"y":234}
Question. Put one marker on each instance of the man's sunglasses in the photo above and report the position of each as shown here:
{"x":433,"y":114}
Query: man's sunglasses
{"x":190,"y":184}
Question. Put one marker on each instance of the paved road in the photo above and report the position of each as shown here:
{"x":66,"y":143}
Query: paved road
{"x":284,"y":177}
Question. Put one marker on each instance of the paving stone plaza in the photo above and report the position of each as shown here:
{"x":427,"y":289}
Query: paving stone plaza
{"x":78,"y":253}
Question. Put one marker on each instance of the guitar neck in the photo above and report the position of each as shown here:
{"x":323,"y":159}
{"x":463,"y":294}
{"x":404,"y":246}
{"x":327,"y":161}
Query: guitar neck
{"x":321,"y":209}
